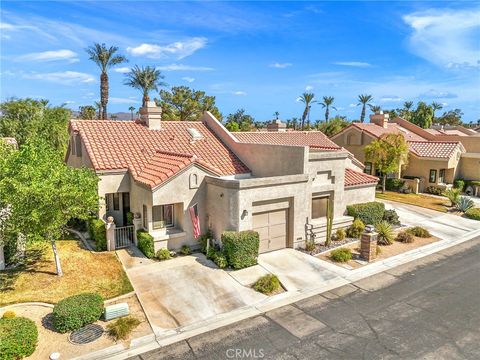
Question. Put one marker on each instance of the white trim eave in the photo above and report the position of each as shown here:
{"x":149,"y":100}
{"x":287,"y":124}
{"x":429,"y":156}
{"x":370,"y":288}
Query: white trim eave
{"x":111,"y":172}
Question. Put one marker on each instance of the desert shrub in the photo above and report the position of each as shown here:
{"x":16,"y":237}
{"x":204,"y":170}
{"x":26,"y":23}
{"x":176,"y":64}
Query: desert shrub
{"x":341,"y":255}
{"x":369,"y":213}
{"x":418,"y":231}
{"x":203,"y":240}
{"x":464,"y":203}
{"x":241,"y":248}
{"x":385,"y":233}
{"x":356,"y":229}
{"x":267,"y":284}
{"x":163,"y":254}
{"x":405,"y":237}
{"x":145,"y":243}
{"x":96,"y":229}
{"x":185,"y":250}
{"x":310,"y":245}
{"x":121,"y":328}
{"x":452,"y":195}
{"x":340,"y":235}
{"x":8,"y":314}
{"x":76,"y":311}
{"x":391,"y":217}
{"x":220,"y":259}
{"x":459,"y":184}
{"x":18,"y":338}
{"x":473,"y":213}
{"x":433,"y":190}
{"x":394,"y":184}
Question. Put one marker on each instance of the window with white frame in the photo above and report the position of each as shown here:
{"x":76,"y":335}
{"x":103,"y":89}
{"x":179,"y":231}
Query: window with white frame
{"x":162,"y":216}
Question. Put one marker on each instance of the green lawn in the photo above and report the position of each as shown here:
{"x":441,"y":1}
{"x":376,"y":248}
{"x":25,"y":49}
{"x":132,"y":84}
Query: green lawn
{"x":425,"y":201}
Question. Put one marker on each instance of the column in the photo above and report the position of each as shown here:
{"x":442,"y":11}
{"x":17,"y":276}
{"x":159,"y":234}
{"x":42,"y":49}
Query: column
{"x":110,"y":232}
{"x":368,"y":246}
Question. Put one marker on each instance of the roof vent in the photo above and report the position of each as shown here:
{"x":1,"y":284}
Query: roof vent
{"x":195,"y":134}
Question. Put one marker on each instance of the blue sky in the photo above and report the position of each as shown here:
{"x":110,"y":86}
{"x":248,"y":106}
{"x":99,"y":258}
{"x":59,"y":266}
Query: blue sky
{"x":255,"y":55}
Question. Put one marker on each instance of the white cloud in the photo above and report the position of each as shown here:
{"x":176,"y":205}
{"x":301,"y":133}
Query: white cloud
{"x":353,"y":63}
{"x":435,"y":94}
{"x":391,"y":98}
{"x":178,"y":49}
{"x":240,"y":93}
{"x":68,"y":102}
{"x":182,"y":67}
{"x":280,"y":65}
{"x":188,"y":79}
{"x":352,"y":105}
{"x":65,"y":77}
{"x":53,"y":55}
{"x":117,"y":100}
{"x":122,"y":70}
{"x":308,"y":87}
{"x":447,"y":37}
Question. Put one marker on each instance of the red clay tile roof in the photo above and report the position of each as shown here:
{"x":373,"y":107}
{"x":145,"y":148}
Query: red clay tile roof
{"x":152,"y":156}
{"x":392,"y":128}
{"x":434,"y":149}
{"x":353,"y":178}
{"x":314,"y":139}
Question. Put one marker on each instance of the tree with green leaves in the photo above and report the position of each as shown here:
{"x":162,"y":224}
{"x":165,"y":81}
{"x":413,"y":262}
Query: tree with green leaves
{"x":375,"y":108}
{"x":276,"y":114}
{"x":422,"y":116}
{"x":185,"y":104}
{"x":364,"y":99}
{"x":145,"y":79}
{"x":334,"y":126}
{"x":98,"y":108}
{"x":451,"y":117}
{"x":43,"y":193}
{"x":105,"y":58}
{"x":87,"y":112}
{"x":326,"y":104}
{"x":132,"y":109}
{"x":387,"y":154}
{"x":243,"y":121}
{"x":405,"y":113}
{"x":436,"y":106}
{"x":308,"y":99}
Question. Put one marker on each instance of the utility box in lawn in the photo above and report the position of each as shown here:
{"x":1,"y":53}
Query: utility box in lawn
{"x":115,"y":311}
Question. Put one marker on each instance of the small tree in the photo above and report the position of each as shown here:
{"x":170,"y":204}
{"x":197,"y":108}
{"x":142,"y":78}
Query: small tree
{"x":87,"y":112}
{"x":243,"y":121}
{"x":387,"y":154}
{"x":422,"y":115}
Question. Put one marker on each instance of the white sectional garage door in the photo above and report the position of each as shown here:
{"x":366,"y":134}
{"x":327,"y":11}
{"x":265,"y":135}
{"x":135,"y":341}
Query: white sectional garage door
{"x":272,"y":228}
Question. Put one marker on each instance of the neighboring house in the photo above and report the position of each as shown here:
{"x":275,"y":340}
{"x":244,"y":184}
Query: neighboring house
{"x":279,"y":184}
{"x":435,"y":159}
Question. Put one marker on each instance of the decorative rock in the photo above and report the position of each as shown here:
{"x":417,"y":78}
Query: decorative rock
{"x":54,"y":356}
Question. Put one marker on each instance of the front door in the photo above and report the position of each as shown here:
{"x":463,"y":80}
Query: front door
{"x":125,"y":206}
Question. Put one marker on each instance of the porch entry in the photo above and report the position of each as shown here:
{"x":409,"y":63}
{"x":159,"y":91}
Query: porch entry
{"x":118,"y":206}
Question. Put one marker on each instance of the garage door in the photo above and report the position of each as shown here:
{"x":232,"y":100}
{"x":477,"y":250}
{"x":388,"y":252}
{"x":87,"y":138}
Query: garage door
{"x":272,"y":228}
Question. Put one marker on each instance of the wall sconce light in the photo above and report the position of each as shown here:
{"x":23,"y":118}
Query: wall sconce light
{"x":244,"y":213}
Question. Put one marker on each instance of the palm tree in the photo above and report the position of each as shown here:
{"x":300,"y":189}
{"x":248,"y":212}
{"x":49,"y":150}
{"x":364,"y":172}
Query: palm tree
{"x":436,"y":106}
{"x":105,"y":58}
{"x":408,"y":105}
{"x":145,"y":79}
{"x":276,"y":114}
{"x":294,"y":123}
{"x":364,"y":100}
{"x":375,"y":108}
{"x":132,"y":109}
{"x":327,"y":102}
{"x":307,"y":99}
{"x":98,"y":106}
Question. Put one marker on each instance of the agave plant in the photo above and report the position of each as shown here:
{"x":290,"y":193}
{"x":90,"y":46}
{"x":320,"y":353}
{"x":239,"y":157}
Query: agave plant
{"x":452,"y":195}
{"x":385,"y":233}
{"x":464,"y":203}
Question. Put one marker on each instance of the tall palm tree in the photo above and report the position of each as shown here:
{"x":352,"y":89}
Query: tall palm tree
{"x":145,"y":79}
{"x":307,"y":99}
{"x":436,"y":106}
{"x":327,"y":102}
{"x":276,"y":114}
{"x":105,"y":58}
{"x":407,"y":105}
{"x":375,"y":108}
{"x":364,"y":99}
{"x":132,"y":109}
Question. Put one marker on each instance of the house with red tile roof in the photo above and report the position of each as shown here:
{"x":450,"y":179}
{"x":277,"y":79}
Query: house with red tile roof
{"x":176,"y":176}
{"x":434,"y":160}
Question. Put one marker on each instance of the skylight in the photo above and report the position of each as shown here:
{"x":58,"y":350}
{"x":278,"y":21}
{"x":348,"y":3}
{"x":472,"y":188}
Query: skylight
{"x":195,"y":134}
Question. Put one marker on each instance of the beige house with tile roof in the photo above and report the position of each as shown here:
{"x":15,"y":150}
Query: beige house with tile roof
{"x":279,"y":184}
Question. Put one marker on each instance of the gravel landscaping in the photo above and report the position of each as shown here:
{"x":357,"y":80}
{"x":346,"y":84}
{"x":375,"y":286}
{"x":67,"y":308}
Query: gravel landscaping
{"x":320,"y":248}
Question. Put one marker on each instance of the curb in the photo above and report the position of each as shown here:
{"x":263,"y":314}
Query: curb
{"x":33,"y":303}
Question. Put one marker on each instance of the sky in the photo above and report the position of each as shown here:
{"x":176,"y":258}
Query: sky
{"x":259,"y":56}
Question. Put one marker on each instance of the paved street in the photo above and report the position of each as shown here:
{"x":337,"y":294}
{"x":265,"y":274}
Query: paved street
{"x":427,"y":309}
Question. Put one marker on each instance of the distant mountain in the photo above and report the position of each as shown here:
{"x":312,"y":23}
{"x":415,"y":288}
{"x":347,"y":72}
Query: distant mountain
{"x":118,"y":115}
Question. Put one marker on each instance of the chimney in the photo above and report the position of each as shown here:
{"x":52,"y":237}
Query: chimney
{"x":277,"y":125}
{"x":379,"y":119}
{"x":152,"y":115}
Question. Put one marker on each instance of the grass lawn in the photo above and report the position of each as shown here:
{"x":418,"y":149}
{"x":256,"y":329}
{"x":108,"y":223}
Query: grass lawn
{"x":425,"y":201}
{"x":83,"y":272}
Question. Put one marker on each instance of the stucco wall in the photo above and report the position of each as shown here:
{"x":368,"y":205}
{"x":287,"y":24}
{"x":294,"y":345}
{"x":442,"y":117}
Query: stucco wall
{"x":469,"y":167}
{"x":359,"y":194}
{"x":421,"y":168}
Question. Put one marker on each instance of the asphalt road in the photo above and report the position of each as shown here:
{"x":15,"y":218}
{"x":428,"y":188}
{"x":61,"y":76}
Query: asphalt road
{"x":427,"y":309}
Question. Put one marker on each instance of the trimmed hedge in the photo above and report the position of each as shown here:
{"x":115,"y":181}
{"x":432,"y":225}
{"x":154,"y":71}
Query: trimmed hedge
{"x":370,"y":213}
{"x":459,"y":184}
{"x":18,"y":338}
{"x":241,"y":248}
{"x":473,"y":213}
{"x":391,"y":217}
{"x":394,"y":184}
{"x":76,"y":311}
{"x":96,"y":228}
{"x":145,"y":244}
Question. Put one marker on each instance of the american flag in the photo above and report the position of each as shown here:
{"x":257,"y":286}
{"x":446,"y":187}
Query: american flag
{"x":195,"y":220}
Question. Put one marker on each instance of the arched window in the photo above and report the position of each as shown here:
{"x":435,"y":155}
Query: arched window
{"x":193,"y":181}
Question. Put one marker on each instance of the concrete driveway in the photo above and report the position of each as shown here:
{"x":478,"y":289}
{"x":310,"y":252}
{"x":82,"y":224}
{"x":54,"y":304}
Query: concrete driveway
{"x":186,"y":290}
{"x":444,"y":226}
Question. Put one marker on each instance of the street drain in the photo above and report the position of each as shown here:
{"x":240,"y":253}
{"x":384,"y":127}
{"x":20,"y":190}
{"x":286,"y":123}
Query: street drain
{"x":86,"y":335}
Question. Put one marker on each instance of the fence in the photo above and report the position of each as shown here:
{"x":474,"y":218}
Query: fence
{"x":124,"y":236}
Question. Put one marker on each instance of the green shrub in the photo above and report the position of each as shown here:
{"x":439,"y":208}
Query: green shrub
{"x":203,"y":240}
{"x":418,"y":231}
{"x":370,"y":213}
{"x":341,"y":255}
{"x":121,"y":328}
{"x":220,"y":259}
{"x":145,"y":243}
{"x":163,"y":254}
{"x":96,"y":228}
{"x":356,"y":229}
{"x":459,"y":184}
{"x":433,"y":190}
{"x":267,"y":284}
{"x":185,"y":250}
{"x":130,"y":217}
{"x":464,"y":203}
{"x":340,"y":235}
{"x":405,"y":237}
{"x":76,"y":311}
{"x":394,"y":184}
{"x":211,"y":253}
{"x":310,"y":245}
{"x":473,"y":213}
{"x":391,"y":217}
{"x":385,"y":233}
{"x":18,"y":338}
{"x":241,"y":248}
{"x":452,"y":195}
{"x":8,"y":314}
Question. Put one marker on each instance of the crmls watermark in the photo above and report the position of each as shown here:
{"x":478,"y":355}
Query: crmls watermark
{"x":245,"y":354}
